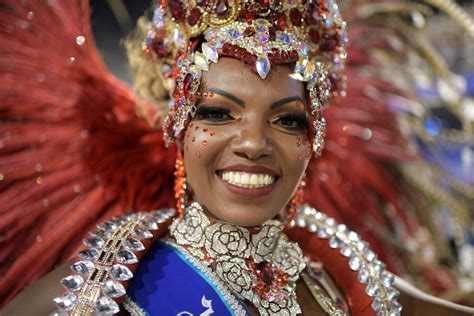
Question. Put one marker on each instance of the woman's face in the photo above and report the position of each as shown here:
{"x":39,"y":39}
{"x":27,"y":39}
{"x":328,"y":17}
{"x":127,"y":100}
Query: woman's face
{"x":247,"y":147}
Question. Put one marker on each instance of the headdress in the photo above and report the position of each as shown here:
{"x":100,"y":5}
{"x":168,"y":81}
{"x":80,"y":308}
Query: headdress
{"x":184,"y":37}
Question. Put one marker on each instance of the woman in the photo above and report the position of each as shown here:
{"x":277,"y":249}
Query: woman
{"x":246,"y":128}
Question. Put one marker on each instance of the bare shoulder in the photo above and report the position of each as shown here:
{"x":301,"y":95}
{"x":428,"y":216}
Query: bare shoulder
{"x":36,"y":299}
{"x":418,"y":303}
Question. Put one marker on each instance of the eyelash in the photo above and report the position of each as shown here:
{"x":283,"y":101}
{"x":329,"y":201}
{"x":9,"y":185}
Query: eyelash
{"x":213,"y":113}
{"x":300,"y":119}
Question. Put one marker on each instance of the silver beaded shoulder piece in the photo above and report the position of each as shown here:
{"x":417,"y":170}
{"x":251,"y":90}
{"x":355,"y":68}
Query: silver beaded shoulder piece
{"x":371,"y":272}
{"x":104,"y":265}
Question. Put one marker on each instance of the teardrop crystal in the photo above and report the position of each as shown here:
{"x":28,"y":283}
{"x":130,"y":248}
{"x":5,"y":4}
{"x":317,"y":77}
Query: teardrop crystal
{"x":201,"y":61}
{"x":133,"y":244}
{"x":141,"y":233}
{"x":94,"y":242}
{"x":106,"y":306}
{"x":263,"y":66}
{"x":72,"y":282}
{"x":120,"y":273}
{"x":66,"y":302}
{"x":82,"y":267}
{"x":210,"y":52}
{"x":88,"y":254}
{"x":113,"y":288}
{"x":126,"y":256}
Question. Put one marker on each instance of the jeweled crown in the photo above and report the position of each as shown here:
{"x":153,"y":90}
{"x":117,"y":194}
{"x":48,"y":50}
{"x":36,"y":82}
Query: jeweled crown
{"x":184,"y":37}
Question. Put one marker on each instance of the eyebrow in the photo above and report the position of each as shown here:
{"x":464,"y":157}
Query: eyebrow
{"x":227,"y":95}
{"x":241,"y":103}
{"x":283,"y":101}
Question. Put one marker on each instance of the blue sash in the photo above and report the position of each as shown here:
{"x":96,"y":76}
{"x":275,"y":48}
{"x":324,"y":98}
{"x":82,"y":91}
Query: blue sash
{"x":167,"y":283}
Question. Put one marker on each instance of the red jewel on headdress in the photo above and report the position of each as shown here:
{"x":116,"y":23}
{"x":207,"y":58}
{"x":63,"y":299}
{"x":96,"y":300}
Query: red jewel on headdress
{"x":222,"y":8}
{"x":295,"y":17}
{"x":246,"y":16}
{"x":249,"y":31}
{"x":177,"y":10}
{"x":314,"y":35}
{"x":194,"y":16}
{"x":280,"y":21}
{"x":265,"y":272}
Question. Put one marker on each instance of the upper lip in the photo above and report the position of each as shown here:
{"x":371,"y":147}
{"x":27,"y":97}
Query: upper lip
{"x":250,"y":169}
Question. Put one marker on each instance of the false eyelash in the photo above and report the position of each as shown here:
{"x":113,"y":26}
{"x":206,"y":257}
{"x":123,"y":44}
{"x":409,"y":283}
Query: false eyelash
{"x":302,"y":119}
{"x":205,"y":112}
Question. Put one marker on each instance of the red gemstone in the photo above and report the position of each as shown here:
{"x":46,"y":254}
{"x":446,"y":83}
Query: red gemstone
{"x":314,"y":35}
{"x":222,"y":8}
{"x":312,"y":14}
{"x":249,"y":59}
{"x":294,"y":56}
{"x":246,"y":16}
{"x":329,"y":45}
{"x":271,"y":58}
{"x":264,"y":270}
{"x":159,"y":48}
{"x":226,"y":48}
{"x":249,"y":31}
{"x":177,"y":10}
{"x":276,"y":56}
{"x":284,"y":57}
{"x":281,"y":21}
{"x":187,"y":83}
{"x":194,"y":16}
{"x":295,"y":17}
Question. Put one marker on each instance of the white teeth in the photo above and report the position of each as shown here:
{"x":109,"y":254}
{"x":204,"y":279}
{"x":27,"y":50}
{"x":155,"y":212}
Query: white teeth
{"x":247,"y":180}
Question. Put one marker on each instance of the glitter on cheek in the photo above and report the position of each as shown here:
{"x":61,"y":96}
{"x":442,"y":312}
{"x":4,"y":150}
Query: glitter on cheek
{"x":238,"y":119}
{"x":205,"y":130}
{"x":298,"y":104}
{"x":204,"y":142}
{"x":198,"y":155}
{"x":196,"y":128}
{"x":212,"y":133}
{"x":193,"y":139}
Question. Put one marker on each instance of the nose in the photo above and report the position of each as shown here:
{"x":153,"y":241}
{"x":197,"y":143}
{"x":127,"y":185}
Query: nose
{"x":252,"y":141}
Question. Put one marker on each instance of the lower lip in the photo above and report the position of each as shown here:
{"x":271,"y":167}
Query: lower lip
{"x":248,"y":192}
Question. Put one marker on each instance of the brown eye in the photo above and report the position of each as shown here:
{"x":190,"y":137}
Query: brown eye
{"x":213,"y":114}
{"x":292,"y":122}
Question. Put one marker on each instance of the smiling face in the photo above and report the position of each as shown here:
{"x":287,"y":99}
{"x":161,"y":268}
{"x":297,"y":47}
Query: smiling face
{"x":247,"y":147}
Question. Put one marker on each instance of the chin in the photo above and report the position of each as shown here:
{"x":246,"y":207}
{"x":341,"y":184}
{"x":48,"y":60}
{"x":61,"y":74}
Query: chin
{"x":245,"y":214}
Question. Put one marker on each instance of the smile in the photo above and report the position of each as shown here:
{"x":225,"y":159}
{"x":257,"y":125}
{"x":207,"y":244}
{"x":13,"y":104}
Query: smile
{"x":247,"y":180}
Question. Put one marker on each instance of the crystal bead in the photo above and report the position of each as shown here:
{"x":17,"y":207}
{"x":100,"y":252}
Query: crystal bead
{"x":369,"y":255}
{"x":378,"y":266}
{"x":312,"y":227}
{"x":126,"y":257}
{"x":372,"y":288}
{"x":210,"y":52}
{"x":377,"y":304}
{"x":360,"y":245}
{"x":353,"y":236}
{"x":355,"y":263}
{"x":329,"y":231}
{"x":346,"y":251}
{"x":133,"y":244}
{"x":387,"y":279}
{"x":94,"y":242}
{"x":106,"y":306}
{"x":392,"y":293}
{"x":113,"y":288}
{"x":82,"y":267}
{"x":201,"y":61}
{"x":160,"y":218}
{"x":88,"y":254}
{"x":300,"y":221}
{"x":108,"y":226}
{"x":72,"y":282}
{"x":396,"y":307}
{"x":66,"y":302}
{"x":120,"y":272}
{"x":363,"y":275}
{"x":150,"y":225}
{"x":141,"y":233}
{"x":322,"y":233}
{"x":100,"y":233}
{"x":263,"y":66}
{"x":334,"y":242}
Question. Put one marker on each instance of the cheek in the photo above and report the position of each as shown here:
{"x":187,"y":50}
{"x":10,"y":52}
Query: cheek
{"x":201,"y":142}
{"x":302,"y":148}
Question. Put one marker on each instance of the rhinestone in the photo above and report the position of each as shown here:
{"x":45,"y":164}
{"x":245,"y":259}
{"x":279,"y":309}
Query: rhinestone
{"x":150,"y":225}
{"x":82,"y":267}
{"x":113,"y":288}
{"x":392,"y":293}
{"x":106,"y":306}
{"x":360,"y":245}
{"x":297,"y":76}
{"x":100,"y":233}
{"x":372,"y":288}
{"x":334,"y":242}
{"x":322,"y":233}
{"x":67,"y":301}
{"x":377,"y":304}
{"x":346,"y":251}
{"x":378,"y":266}
{"x":88,"y":254}
{"x":369,"y":255}
{"x":126,"y":256}
{"x":329,"y":231}
{"x":330,"y":221}
{"x":396,"y":307}
{"x":201,"y":61}
{"x":363,"y":275}
{"x":94,"y":242}
{"x":121,"y":273}
{"x":263,"y":66}
{"x":353,"y":236}
{"x":355,"y":263}
{"x":133,"y":244}
{"x":312,"y":227}
{"x":210,"y":52}
{"x":72,"y":282}
{"x":387,"y":279}
{"x":300,"y":221}
{"x":141,"y":233}
{"x":109,"y":226}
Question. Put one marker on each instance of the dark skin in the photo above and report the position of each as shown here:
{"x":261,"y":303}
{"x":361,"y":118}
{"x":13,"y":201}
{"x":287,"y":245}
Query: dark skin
{"x":257,"y":133}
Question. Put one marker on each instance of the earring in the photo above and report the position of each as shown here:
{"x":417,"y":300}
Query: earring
{"x":179,"y":184}
{"x":296,"y":201}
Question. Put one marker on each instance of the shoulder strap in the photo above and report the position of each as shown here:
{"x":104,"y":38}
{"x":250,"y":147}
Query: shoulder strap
{"x":107,"y":264}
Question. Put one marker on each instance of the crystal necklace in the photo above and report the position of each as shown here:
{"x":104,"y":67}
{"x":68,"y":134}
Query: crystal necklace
{"x":259,"y":267}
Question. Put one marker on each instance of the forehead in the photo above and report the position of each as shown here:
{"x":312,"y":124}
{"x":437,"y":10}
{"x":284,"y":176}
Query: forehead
{"x":235,"y":77}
